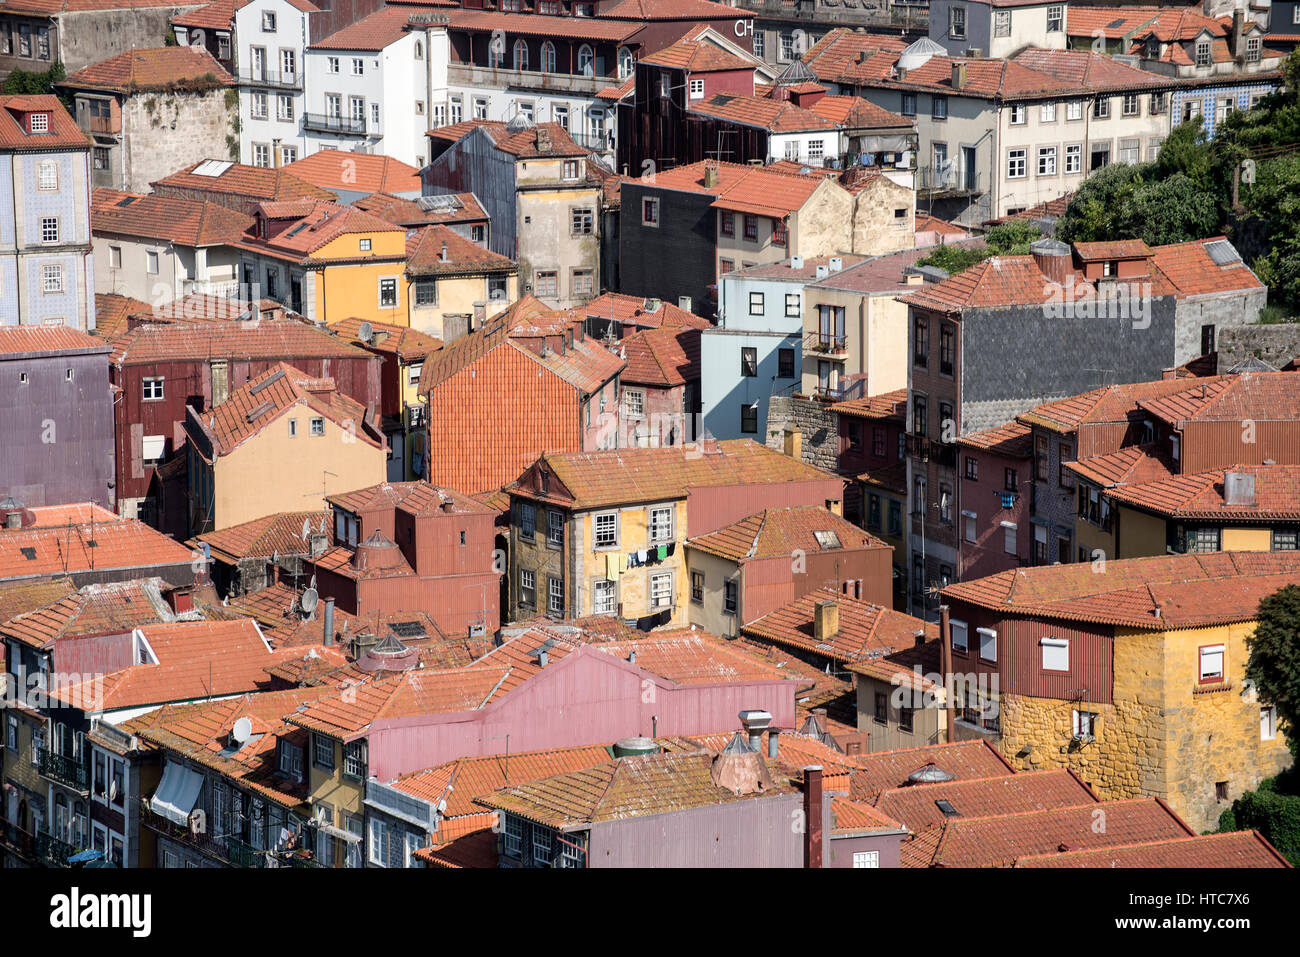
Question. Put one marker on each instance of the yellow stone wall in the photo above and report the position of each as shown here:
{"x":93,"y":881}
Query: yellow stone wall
{"x":1247,"y":539}
{"x":1158,"y":737}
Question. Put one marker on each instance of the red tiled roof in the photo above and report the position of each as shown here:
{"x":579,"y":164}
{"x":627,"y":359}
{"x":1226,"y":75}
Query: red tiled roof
{"x":536,"y":25}
{"x":865,"y":630}
{"x":636,"y":311}
{"x":1053,"y":208}
{"x":63,"y":130}
{"x":749,"y":189}
{"x":113,"y":608}
{"x":777,"y":116}
{"x":79,"y":6}
{"x":521,"y":144}
{"x":356,"y":172}
{"x":1085,"y":71}
{"x":855,"y":112}
{"x":1157,"y":594}
{"x":1110,"y":404}
{"x":783,"y":531}
{"x":270,"y":395}
{"x":887,"y":770}
{"x":184,"y":222}
{"x":302,"y":228}
{"x":64,"y":340}
{"x":886,"y":405}
{"x":402,"y":341}
{"x":1201,"y":495}
{"x":662,"y":357}
{"x":111,"y":311}
{"x":1234,"y":849}
{"x":413,"y":498}
{"x":855,"y":817}
{"x":160,"y":68}
{"x":805,"y":274}
{"x":277,"y":534}
{"x":925,"y":223}
{"x":424,"y":255}
{"x":371,"y":33}
{"x":698,"y":56}
{"x":254,"y":182}
{"x":655,"y":10}
{"x":1000,"y":840}
{"x":406,"y":212}
{"x":595,"y":479}
{"x":53,"y":547}
{"x":285,"y":339}
{"x":1012,"y":440}
{"x":917,"y":805}
{"x":1135,"y":463}
{"x":477,"y":849}
{"x":20,"y":597}
{"x":1164,"y":23}
{"x":1257,"y":396}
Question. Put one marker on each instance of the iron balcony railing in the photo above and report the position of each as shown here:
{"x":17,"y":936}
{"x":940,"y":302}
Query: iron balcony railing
{"x":53,"y":852}
{"x":948,"y":180}
{"x":281,"y":81}
{"x":324,"y":122}
{"x":241,"y":854}
{"x":199,"y":840}
{"x":65,"y":770}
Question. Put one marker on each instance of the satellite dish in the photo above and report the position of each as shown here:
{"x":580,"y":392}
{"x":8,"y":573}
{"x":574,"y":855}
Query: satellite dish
{"x":306,"y":529}
{"x":312,"y":586}
{"x":242,"y":731}
{"x":308,"y":601}
{"x":365,"y":332}
{"x":112,"y":790}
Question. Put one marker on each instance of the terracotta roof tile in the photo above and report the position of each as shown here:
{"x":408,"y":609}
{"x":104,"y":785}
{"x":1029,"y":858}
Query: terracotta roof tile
{"x":540,"y":25}
{"x":63,"y":130}
{"x":784,"y":531}
{"x":63,"y":340}
{"x":917,"y":806}
{"x":301,"y":228}
{"x":887,"y":770}
{"x":1109,"y":404}
{"x":698,"y":56}
{"x":339,"y":171}
{"x":636,"y":311}
{"x":184,"y":222}
{"x":273,"y":339}
{"x":424,"y":255}
{"x":891,"y":406}
{"x":402,"y":341}
{"x":865,"y":630}
{"x":856,"y":112}
{"x":856,"y":817}
{"x":1136,"y":463}
{"x":408,"y":213}
{"x":254,"y":182}
{"x":1258,"y":396}
{"x":371,"y":33}
{"x":277,"y":534}
{"x":412,"y":498}
{"x":1012,"y":440}
{"x":1201,"y":495}
{"x":776,"y":116}
{"x":521,"y":144}
{"x":1235,"y":849}
{"x":752,"y":189}
{"x":94,"y":610}
{"x":663,"y":357}
{"x":160,"y":68}
{"x":1159,"y":593}
{"x":61,"y":545}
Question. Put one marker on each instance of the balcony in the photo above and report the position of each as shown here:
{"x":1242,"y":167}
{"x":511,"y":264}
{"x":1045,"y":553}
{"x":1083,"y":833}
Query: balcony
{"x":103,"y":124}
{"x":221,"y":289}
{"x":64,"y":770}
{"x":324,"y":123}
{"x":244,"y":855}
{"x":52,"y":852}
{"x":200,"y":841}
{"x":19,"y":841}
{"x":502,"y":78}
{"x":596,"y":142}
{"x":946,"y":180}
{"x":827,"y":345}
{"x":268,"y":78}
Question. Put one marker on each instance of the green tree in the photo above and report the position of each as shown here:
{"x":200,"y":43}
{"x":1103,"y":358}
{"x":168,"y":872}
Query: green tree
{"x":1006,"y":239}
{"x":1274,"y":662}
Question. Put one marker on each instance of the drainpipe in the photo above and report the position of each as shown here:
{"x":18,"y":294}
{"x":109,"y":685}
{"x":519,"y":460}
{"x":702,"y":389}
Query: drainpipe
{"x":812,"y":811}
{"x":945,"y":669}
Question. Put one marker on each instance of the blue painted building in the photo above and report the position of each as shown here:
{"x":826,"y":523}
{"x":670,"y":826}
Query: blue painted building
{"x":46,"y":268}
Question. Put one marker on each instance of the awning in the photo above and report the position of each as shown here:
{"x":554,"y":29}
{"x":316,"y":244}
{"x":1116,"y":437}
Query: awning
{"x":338,"y":832}
{"x":152,"y":447}
{"x":177,"y":793}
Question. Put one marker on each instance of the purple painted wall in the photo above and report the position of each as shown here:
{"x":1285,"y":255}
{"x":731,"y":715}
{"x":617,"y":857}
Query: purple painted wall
{"x":587,"y":697}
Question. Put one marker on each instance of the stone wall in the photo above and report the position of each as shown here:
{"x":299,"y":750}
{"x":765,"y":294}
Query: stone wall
{"x":1274,"y":343}
{"x":166,"y":131}
{"x":89,"y":36}
{"x":817,"y":423}
{"x":1230,"y":315}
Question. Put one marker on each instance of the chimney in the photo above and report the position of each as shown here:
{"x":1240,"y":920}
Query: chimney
{"x":959,"y":76}
{"x":710,"y":175}
{"x":812,"y":815}
{"x":823,"y":272}
{"x":1237,"y":38}
{"x":631,"y":657}
{"x":275,"y":152}
{"x":862,"y":56}
{"x":181,"y":600}
{"x":826,"y":619}
{"x":836,"y":263}
{"x":902,"y":72}
{"x":543,"y":140}
{"x":772,"y":735}
{"x":1239,"y":488}
{"x":542,"y":659}
{"x":14,"y":519}
{"x":1052,"y":257}
{"x":442,"y":256}
{"x":793,"y":443}
{"x":755,"y":723}
{"x":796,"y":262}
{"x":329,"y":622}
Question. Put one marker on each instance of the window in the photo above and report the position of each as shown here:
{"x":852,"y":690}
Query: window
{"x":1074,"y":110}
{"x":947,"y":347}
{"x":906,"y":719}
{"x":1047,"y":161}
{"x":1064,"y":477}
{"x":972,"y":469}
{"x":909,"y":104}
{"x":1285,"y":539}
{"x":52,"y":278}
{"x":1056,"y":653}
{"x":726,"y":223}
{"x":787,"y":46}
{"x":1211,"y":663}
{"x":358,"y":66}
{"x":1101,"y":107}
{"x":920,"y":417}
{"x":426,"y":293}
{"x":284,"y":108}
{"x":1047,"y":113}
{"x":751,"y":228}
{"x":970,"y":526}
{"x":749,"y":418}
{"x":322,"y":752}
{"x":1018,"y":114}
{"x":650,"y":211}
{"x":882,"y":708}
{"x":873,"y":512}
{"x":152,"y":387}
{"x":387,"y":293}
{"x":527,"y":520}
{"x":661,"y":524}
{"x":960,"y":636}
{"x":602,"y":597}
{"x":570,"y":171}
{"x":1009,"y":538}
{"x":921,"y":342}
{"x":945,"y":504}
{"x":11,"y":738}
{"x":1002,"y":23}
{"x":661,"y":590}
{"x":749,"y":361}
{"x":582,"y":282}
{"x":1191,"y":110}
{"x":1055,"y":19}
{"x":293,"y":428}
{"x":697,"y":587}
{"x":729,"y":597}
{"x":548,"y":283}
{"x":527,"y":587}
{"x":1203,"y":53}
{"x":1084,"y":724}
{"x":47,"y":175}
{"x":1252,"y":49}
{"x":634,"y":401}
{"x":354,"y":759}
{"x":606,"y":529}
{"x":1016,"y":163}
{"x":726,"y":266}
{"x":779,"y":238}
{"x":261,"y":155}
{"x":988,"y":644}
{"x":1203,"y":540}
{"x":1130,"y":151}
{"x":756,"y":304}
{"x":257,"y":105}
{"x":1130,"y":104}
{"x":957,"y":23}
{"x":555,"y":596}
{"x":585,"y":58}
{"x":697,"y":89}
{"x":268,"y":22}
{"x":100,"y":157}
{"x":480,"y":108}
{"x":1074,"y":158}
{"x":939,"y":108}
{"x":317,"y":426}
{"x":1268,"y":723}
{"x":49,"y":229}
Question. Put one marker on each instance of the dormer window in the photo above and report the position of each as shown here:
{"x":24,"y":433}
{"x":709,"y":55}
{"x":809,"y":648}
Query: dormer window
{"x":1202,"y":52}
{"x":39,"y":122}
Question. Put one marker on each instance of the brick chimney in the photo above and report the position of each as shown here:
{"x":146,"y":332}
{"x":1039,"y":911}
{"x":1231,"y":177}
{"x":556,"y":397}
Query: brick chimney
{"x":826,"y":619}
{"x":959,"y":76}
{"x":710,"y":175}
{"x":812,"y":812}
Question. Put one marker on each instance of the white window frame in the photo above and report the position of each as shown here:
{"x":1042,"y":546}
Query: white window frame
{"x":1083,"y":724}
{"x":1047,"y":113}
{"x":866,"y":858}
{"x":1268,"y":719}
{"x":1018,"y":158}
{"x":988,"y":640}
{"x":597,"y":532}
{"x":659,"y":530}
{"x":964,"y":644}
{"x":656,"y":600}
{"x":1210,"y":652}
{"x":1055,"y":653}
{"x":604,"y":597}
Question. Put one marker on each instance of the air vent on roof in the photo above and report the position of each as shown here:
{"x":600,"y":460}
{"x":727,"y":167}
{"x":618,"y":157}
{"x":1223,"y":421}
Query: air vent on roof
{"x":947,"y":808}
{"x":266,"y":383}
{"x":1115,"y":23}
{"x":29,"y":554}
{"x":1222,"y":252}
{"x":722,"y":98}
{"x":295,"y":231}
{"x":212,"y":168}
{"x":259,"y":411}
